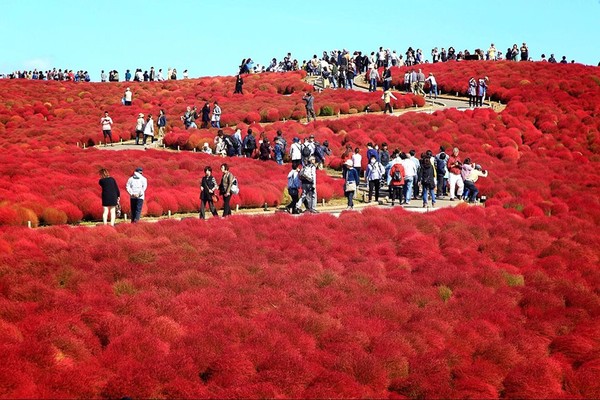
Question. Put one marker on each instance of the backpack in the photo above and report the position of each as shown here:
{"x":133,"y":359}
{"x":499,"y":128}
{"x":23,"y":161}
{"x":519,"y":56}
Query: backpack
{"x":319,"y":154}
{"x":396,"y":176}
{"x":304,"y":177}
{"x":249,"y":143}
{"x":305,"y":151}
{"x":235,"y":189}
{"x":440,"y":165}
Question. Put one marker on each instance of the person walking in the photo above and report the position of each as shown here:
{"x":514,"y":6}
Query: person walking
{"x":387,"y":100}
{"x":107,"y":123}
{"x":208,"y":195}
{"x":357,"y":162}
{"x":350,"y":183}
{"x":110,"y":196}
{"x":215,"y":121}
{"x":149,"y":130}
{"x":293,"y":185}
{"x":139,"y":128}
{"x":308,"y":177}
{"x":136,"y":187}
{"x":309,"y":101}
{"x":162,"y":125}
{"x":296,"y":152}
{"x":249,"y":144}
{"x":225,"y":189}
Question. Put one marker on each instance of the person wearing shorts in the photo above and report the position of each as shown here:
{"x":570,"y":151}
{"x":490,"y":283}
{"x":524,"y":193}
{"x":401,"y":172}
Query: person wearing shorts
{"x":107,"y":122}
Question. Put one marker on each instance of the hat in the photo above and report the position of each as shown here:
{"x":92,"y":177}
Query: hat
{"x":477,"y":166}
{"x":205,"y":144}
{"x":139,"y":169}
{"x":296,"y":140}
{"x":312,"y":136}
{"x":348,"y":163}
{"x":127,"y":88}
{"x":140,"y":115}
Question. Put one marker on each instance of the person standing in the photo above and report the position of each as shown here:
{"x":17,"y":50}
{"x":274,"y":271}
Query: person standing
{"x":420,"y":83}
{"x":127,"y":97}
{"x":308,"y":177}
{"x":454,"y":168}
{"x":205,"y":115}
{"x":373,"y":78}
{"x":216,"y":116}
{"x":136,"y":187}
{"x":524,"y":52}
{"x":139,"y":128}
{"x":387,"y":100}
{"x":225,"y":189}
{"x":162,"y":124}
{"x":296,"y":152}
{"x":110,"y":196}
{"x":152,"y":74}
{"x":433,"y":85}
{"x":293,"y":184}
{"x":410,"y":176}
{"x":350,"y":183}
{"x":239,"y":83}
{"x":373,"y":174}
{"x":103,"y":76}
{"x":149,"y":130}
{"x":472,"y":92}
{"x":397,"y":174}
{"x":428,"y":178}
{"x":309,"y":101}
{"x":357,"y":162}
{"x":107,"y":122}
{"x":481,"y":90}
{"x":208,"y":195}
{"x":249,"y":144}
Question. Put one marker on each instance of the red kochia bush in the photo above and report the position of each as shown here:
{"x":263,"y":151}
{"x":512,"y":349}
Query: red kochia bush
{"x":179,"y":307}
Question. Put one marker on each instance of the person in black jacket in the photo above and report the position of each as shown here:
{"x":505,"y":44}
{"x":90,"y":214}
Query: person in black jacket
{"x":239,"y":82}
{"x":208,"y":192}
{"x":205,"y":115}
{"x":110,"y":196}
{"x":428,"y":177}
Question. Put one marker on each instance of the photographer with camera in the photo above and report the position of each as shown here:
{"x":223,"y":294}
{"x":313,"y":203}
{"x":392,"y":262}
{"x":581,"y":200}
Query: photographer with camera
{"x":470,"y":182}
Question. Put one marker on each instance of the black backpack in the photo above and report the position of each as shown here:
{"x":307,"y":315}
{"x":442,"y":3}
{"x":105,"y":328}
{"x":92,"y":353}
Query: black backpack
{"x":306,"y":151}
{"x":249,"y":143}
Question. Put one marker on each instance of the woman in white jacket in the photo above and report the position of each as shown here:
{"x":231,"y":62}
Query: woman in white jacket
{"x":149,"y":130}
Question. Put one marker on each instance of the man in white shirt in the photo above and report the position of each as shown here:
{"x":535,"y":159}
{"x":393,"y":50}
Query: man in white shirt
{"x":296,"y":152}
{"x":410,"y":173}
{"x":107,"y":122}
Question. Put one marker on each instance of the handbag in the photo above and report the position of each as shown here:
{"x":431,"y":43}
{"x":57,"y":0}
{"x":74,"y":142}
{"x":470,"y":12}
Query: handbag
{"x":350,"y":186}
{"x":118,"y":210}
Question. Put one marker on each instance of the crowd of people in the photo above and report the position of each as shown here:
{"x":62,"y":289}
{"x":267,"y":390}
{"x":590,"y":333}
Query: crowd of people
{"x":66,"y":74}
{"x":137,"y":185}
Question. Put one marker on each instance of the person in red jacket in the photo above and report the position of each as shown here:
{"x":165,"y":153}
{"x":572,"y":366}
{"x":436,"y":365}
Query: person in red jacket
{"x":397,"y":174}
{"x":454,"y":167}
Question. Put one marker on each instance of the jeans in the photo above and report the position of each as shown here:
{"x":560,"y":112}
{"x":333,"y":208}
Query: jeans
{"x":309,"y":196}
{"x":373,"y":85}
{"x":374,"y":184}
{"x":349,"y":83}
{"x":473,"y":191}
{"x":426,"y":191}
{"x":350,"y":197}
{"x":408,"y":188}
{"x":138,"y":134}
{"x":456,"y":180}
{"x":433,"y":91}
{"x":136,"y":208}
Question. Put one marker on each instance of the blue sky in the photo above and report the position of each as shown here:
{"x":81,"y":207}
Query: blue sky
{"x":210,"y":38}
